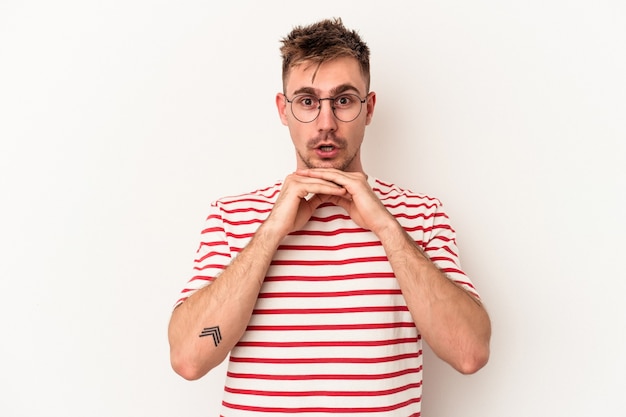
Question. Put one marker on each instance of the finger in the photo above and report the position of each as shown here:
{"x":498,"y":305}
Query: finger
{"x":310,"y":185}
{"x":337,"y":177}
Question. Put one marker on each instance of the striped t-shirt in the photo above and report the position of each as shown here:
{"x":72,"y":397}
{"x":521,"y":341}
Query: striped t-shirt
{"x":330,"y":332}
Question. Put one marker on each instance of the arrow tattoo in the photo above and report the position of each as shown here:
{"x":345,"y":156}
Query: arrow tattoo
{"x":212,"y":331}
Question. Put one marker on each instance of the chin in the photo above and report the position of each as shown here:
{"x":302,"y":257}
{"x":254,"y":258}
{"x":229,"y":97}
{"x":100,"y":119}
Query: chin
{"x":330,"y":165}
{"x":340,"y":165}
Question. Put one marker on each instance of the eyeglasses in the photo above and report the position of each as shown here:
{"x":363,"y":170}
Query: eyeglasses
{"x":306,"y":107}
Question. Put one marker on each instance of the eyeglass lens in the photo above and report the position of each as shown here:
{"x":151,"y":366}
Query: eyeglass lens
{"x":345,"y":107}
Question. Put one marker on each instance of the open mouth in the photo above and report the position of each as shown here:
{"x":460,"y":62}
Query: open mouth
{"x":326,"y":148}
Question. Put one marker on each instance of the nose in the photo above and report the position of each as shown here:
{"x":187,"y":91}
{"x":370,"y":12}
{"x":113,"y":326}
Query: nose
{"x":326,"y":120}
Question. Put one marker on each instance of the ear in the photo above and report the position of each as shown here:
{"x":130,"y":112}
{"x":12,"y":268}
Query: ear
{"x":281,"y":105}
{"x":370,"y":104}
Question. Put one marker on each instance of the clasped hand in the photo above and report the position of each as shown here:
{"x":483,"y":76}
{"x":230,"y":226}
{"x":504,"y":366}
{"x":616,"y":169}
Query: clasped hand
{"x":306,"y":189}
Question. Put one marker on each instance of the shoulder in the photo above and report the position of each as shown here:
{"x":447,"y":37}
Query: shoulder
{"x":250,"y":205}
{"x":389,"y":192}
{"x":262,"y":195}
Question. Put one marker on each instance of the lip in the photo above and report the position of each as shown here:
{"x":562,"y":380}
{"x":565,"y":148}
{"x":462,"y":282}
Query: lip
{"x":327,"y":151}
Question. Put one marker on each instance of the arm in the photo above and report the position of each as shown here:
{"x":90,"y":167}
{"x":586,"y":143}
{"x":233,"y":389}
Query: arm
{"x":451,"y":320}
{"x":227,"y":303}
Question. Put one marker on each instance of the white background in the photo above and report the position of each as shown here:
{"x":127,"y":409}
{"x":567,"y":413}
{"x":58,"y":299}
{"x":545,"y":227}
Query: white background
{"x":121,"y":120}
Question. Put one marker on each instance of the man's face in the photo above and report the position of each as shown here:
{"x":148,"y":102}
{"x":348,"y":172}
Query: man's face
{"x":327,"y":142}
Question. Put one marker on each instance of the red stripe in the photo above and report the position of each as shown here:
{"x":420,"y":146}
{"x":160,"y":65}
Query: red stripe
{"x":240,"y":236}
{"x":330,"y":310}
{"x":390,"y":391}
{"x":366,"y":326}
{"x":328,"y":294}
{"x":429,"y":229}
{"x":207,"y":266}
{"x":263,"y":199}
{"x":348,"y":377}
{"x":334,"y":410}
{"x":418,"y":216}
{"x":243,"y":222}
{"x":208,"y":255}
{"x":247,"y":210}
{"x":211,"y":230}
{"x":330,"y":277}
{"x":330,"y":344}
{"x":213,"y":217}
{"x":465,"y":283}
{"x":452,"y":270}
{"x":331,"y":262}
{"x":409,"y":205}
{"x":441,"y":259}
{"x":444,"y":238}
{"x":393,"y":358}
{"x":217,"y":243}
{"x":444,"y":247}
{"x":428,"y":204}
{"x":327,"y":233}
{"x":330,"y":248}
{"x":259,"y":192}
{"x":330,"y":218}
{"x":201,"y":277}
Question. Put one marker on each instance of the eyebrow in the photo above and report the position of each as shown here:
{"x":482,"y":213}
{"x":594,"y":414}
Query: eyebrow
{"x":342,"y":88}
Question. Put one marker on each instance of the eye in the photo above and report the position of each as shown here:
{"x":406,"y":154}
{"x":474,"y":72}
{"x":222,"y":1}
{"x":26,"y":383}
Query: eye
{"x":306,"y":101}
{"x":344,"y":101}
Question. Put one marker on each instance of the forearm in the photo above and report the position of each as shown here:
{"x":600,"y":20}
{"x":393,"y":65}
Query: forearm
{"x":451,"y":320}
{"x":226,"y":305}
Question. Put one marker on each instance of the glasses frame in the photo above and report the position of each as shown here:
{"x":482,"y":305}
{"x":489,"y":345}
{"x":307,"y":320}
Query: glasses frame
{"x":319,"y":109}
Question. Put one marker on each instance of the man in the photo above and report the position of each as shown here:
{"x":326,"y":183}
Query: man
{"x":322,"y":287}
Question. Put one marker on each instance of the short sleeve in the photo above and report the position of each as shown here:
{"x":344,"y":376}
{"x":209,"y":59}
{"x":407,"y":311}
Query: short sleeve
{"x":212,"y":256}
{"x":442,"y":249}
